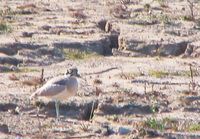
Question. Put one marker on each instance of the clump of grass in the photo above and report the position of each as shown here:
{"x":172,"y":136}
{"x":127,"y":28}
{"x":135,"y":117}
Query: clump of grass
{"x":154,"y":107}
{"x":28,"y":70}
{"x":185,"y":73}
{"x":97,"y":81}
{"x":76,"y":54}
{"x":7,"y":11}
{"x":127,"y":75}
{"x":194,"y":127}
{"x":147,"y":6}
{"x":113,"y":117}
{"x":162,"y":124}
{"x":158,"y":73}
{"x":47,"y":126}
{"x":5,"y":28}
{"x":163,"y":3}
{"x":154,"y":124}
{"x":187,"y":18}
{"x":164,"y":19}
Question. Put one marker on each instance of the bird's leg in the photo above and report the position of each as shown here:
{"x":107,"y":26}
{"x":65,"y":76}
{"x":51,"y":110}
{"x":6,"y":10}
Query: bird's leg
{"x":57,"y":103}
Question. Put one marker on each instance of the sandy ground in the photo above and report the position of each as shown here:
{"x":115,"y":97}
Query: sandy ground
{"x":147,"y":97}
{"x":110,"y":71}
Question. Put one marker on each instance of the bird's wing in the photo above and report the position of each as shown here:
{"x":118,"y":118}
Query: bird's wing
{"x":50,"y":90}
{"x":59,"y":80}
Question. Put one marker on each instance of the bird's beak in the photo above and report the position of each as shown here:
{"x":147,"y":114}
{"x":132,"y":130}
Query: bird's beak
{"x":79,"y":76}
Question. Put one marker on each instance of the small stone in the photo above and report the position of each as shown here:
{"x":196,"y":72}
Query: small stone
{"x":124,"y":131}
{"x":27,"y":34}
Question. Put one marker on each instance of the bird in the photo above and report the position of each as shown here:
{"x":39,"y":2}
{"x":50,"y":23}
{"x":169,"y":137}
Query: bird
{"x":59,"y":88}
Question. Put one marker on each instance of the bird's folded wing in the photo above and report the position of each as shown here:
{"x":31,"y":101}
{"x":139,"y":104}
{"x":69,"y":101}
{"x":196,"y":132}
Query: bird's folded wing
{"x":50,"y":90}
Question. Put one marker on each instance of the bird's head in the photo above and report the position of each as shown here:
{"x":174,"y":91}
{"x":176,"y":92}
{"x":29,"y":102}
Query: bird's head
{"x":74,"y":72}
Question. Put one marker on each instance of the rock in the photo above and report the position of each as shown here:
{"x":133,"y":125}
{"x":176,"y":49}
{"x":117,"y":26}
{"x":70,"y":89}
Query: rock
{"x":124,"y":130}
{"x":46,"y":27}
{"x":27,"y":34}
{"x":4,"y":128}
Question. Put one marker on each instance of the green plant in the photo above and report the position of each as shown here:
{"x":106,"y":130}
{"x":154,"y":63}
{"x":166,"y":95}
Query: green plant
{"x":170,"y":120}
{"x":164,"y":18}
{"x":158,"y":73}
{"x":47,"y":126}
{"x":4,"y":27}
{"x":113,"y":117}
{"x":28,"y":70}
{"x":163,"y":3}
{"x":154,"y":107}
{"x":75,"y":54}
{"x":194,"y":127}
{"x":147,"y":6}
{"x":154,"y":124}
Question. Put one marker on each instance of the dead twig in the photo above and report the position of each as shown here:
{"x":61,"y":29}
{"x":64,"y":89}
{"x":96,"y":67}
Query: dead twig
{"x":191,"y":6}
{"x":192,"y":82}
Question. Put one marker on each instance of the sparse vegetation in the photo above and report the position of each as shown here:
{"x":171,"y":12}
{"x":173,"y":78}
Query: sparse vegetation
{"x":195,"y":127}
{"x":158,"y":73}
{"x":47,"y":126}
{"x":128,"y":75}
{"x":161,"y":73}
{"x":4,"y":27}
{"x":28,"y":70}
{"x":154,"y":124}
{"x":113,"y":117}
{"x":75,"y":54}
{"x":85,"y":127}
